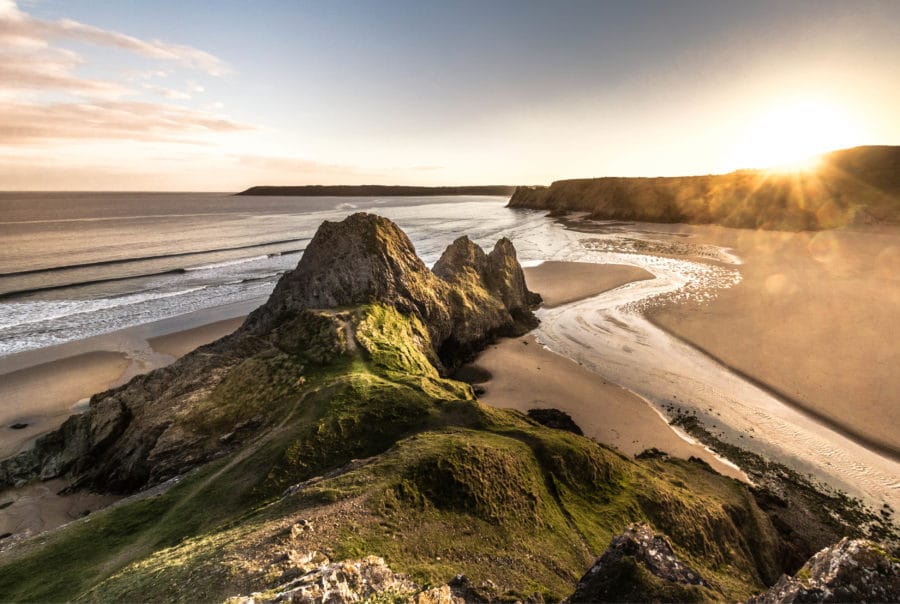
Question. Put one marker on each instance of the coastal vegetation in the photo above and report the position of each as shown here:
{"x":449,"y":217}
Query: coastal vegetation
{"x":326,"y":429}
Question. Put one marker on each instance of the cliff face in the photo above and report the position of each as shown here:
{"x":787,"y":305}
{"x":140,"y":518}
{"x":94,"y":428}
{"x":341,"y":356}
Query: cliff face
{"x":853,"y":186}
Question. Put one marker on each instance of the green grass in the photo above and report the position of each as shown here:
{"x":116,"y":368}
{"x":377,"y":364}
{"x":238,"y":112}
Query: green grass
{"x":453,"y":487}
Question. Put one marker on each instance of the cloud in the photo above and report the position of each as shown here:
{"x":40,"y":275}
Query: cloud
{"x":35,"y":74}
{"x":52,"y":70}
{"x":19,"y":29}
{"x":24,"y":123}
{"x":176,"y":95}
{"x":290,"y":164}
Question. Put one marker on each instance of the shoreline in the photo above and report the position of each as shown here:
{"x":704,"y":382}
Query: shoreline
{"x":523,"y":374}
{"x":862,"y":440}
{"x":813,"y":322}
{"x":42,"y":388}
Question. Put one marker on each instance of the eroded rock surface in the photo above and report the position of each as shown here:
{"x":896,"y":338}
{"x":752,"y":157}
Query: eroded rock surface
{"x":851,"y":571}
{"x":212,"y":400}
{"x":640,"y":566}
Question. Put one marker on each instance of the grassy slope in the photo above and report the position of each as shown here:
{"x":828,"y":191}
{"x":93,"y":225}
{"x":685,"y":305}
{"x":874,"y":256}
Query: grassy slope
{"x":447,"y":486}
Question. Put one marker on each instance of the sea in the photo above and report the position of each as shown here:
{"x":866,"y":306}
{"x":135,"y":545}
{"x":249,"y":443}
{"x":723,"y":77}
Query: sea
{"x":76,"y":265}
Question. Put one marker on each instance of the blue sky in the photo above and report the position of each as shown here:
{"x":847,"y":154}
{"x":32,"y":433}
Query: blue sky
{"x":223,"y":95}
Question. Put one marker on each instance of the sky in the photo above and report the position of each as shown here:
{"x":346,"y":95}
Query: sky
{"x":222,"y":95}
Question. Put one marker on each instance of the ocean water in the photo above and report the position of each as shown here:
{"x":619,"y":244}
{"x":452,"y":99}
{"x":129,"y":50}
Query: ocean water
{"x":75,"y":265}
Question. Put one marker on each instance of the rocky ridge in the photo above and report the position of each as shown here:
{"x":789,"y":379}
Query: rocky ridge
{"x":148,"y":430}
{"x":639,"y":565}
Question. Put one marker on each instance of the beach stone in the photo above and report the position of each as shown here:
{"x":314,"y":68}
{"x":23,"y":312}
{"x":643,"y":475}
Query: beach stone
{"x":554,"y":418}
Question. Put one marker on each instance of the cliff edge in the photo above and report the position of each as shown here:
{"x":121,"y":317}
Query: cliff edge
{"x":852,"y":186}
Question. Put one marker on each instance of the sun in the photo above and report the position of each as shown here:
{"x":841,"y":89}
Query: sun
{"x":790,"y":135}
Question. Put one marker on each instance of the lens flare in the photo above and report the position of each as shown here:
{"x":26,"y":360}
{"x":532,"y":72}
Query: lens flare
{"x":790,"y":135}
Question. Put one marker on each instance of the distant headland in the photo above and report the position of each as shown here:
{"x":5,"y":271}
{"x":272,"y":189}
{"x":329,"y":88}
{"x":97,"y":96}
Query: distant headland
{"x":852,"y":186}
{"x":373,"y":190}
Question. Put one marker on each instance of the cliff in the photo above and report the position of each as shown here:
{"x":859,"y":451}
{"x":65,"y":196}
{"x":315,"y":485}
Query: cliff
{"x":376,"y":190}
{"x":852,"y":186}
{"x":279,"y":460}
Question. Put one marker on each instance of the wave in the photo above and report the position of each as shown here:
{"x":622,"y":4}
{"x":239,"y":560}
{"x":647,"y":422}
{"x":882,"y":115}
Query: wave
{"x":223,"y":264}
{"x":22,"y":313}
{"x":66,"y":267}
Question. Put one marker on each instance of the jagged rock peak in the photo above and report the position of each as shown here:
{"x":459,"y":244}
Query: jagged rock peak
{"x":638,"y":566}
{"x":851,"y":571}
{"x":360,"y":259}
{"x":460,"y":255}
{"x":499,"y":272}
{"x":467,"y":299}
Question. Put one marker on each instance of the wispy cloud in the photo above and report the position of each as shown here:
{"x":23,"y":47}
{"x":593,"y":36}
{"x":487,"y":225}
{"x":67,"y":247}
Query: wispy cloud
{"x":23,"y":123}
{"x":52,"y":69}
{"x":36,"y":73}
{"x":288,"y":166}
{"x":17,"y":28}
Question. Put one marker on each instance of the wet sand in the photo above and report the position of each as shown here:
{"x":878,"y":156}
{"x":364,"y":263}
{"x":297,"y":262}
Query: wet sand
{"x":44,"y":395}
{"x":815,"y":319}
{"x":38,"y":507}
{"x":563,"y":282}
{"x":180,"y":343}
{"x":524,"y":375}
{"x":38,"y":399}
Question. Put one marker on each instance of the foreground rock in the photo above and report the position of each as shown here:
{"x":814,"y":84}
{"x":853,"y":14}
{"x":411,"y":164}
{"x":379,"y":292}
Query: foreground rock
{"x":851,"y":571}
{"x":338,"y":583}
{"x":371,"y":580}
{"x":155,"y":427}
{"x":640,"y":566}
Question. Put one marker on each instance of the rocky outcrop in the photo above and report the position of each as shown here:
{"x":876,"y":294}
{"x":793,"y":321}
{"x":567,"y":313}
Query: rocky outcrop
{"x":640,"y":566}
{"x":468,"y":298}
{"x":361,"y":259}
{"x":339,"y":583}
{"x":371,"y":580}
{"x":851,"y":186}
{"x":554,"y":418}
{"x":212,"y":400}
{"x":850,"y":571}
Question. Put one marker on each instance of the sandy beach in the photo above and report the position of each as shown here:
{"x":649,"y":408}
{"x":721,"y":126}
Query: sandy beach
{"x":563,"y":282}
{"x":42,"y":396}
{"x":815,"y":318}
{"x":524,"y":375}
{"x":39,"y":398}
